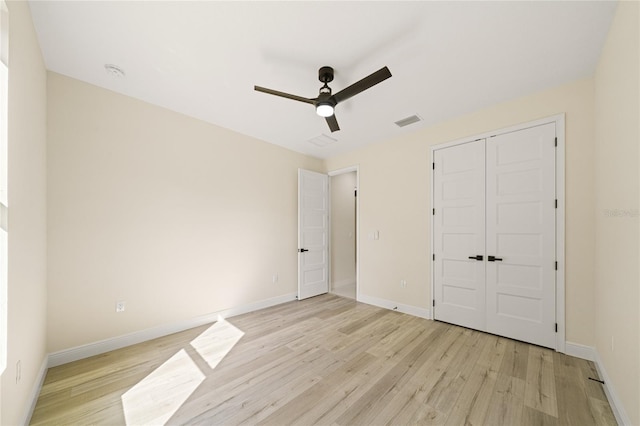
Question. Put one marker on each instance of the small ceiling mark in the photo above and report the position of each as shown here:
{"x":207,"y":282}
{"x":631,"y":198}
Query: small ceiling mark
{"x":114,"y":70}
{"x":409,"y":120}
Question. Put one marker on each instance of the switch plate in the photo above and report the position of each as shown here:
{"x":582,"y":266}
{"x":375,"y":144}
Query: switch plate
{"x":120,"y":306}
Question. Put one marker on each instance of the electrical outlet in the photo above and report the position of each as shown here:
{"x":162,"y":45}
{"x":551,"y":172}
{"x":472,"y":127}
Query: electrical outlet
{"x":275,"y":278}
{"x":403,"y":283}
{"x":18,"y":371}
{"x":120,"y":306}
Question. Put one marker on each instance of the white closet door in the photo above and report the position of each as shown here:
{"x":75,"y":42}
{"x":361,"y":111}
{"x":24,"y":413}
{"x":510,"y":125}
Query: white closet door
{"x":459,"y":234}
{"x":520,"y":196}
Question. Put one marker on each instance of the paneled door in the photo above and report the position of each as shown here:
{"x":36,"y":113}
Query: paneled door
{"x":521,"y":218}
{"x":494,"y":235}
{"x":459,"y":235}
{"x":313,"y":227}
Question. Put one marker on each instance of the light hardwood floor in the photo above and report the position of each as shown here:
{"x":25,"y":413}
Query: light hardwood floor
{"x":326,"y":360}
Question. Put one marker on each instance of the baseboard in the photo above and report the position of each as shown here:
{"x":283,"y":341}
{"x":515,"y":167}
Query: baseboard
{"x":591,"y":354}
{"x":395,"y":306}
{"x":107,"y":345}
{"x":343,"y":283}
{"x":616,"y":405}
{"x":35,"y":391}
{"x":580,"y":351}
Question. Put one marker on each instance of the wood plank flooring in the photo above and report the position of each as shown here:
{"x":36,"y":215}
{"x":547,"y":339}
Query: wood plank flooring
{"x":328,"y":361}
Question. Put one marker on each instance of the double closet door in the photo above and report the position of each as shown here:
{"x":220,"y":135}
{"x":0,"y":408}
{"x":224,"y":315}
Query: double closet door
{"x":495,"y":235}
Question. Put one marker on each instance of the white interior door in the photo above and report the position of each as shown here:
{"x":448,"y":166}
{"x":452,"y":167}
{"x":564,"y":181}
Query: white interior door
{"x":459,"y":233}
{"x":521,"y":235}
{"x":313,"y":227}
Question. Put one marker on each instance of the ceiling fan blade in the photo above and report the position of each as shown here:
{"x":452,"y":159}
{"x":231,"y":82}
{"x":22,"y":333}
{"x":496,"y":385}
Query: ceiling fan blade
{"x":284,"y":95}
{"x":333,"y":123}
{"x":362,"y":85}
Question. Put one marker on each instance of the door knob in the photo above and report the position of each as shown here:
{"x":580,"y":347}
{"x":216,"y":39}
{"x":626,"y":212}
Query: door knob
{"x":494,"y":259}
{"x":477,"y":257}
{"x":302,"y":250}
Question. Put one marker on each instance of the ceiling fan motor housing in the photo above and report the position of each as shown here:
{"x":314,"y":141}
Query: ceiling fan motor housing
{"x":325,"y":74}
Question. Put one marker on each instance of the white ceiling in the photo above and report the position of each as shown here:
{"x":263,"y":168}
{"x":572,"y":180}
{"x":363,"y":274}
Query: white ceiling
{"x":203,"y":58}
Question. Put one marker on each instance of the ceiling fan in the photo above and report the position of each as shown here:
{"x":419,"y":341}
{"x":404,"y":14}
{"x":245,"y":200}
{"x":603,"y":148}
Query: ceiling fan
{"x":325,"y":103}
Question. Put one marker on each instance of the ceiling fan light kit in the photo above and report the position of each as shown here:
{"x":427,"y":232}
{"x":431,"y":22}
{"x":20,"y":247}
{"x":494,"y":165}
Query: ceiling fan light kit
{"x":325,"y":103}
{"x":324,"y":109}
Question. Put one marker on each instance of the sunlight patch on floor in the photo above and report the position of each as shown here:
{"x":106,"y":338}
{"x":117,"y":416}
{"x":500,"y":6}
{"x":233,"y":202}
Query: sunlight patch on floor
{"x":156,"y":398}
{"x":216,"y":342}
{"x":159,"y":395}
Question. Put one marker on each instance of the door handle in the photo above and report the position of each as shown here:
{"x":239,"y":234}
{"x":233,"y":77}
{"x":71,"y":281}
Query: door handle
{"x":302,"y":250}
{"x":477,"y":257}
{"x":494,"y":259}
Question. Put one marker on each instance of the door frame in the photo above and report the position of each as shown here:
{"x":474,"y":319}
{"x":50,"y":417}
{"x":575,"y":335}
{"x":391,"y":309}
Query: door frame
{"x":337,"y":172}
{"x":559,"y":121}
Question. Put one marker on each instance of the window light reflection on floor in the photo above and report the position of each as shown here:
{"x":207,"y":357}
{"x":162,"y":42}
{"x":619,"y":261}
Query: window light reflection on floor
{"x":156,"y":398}
{"x":159,"y":395}
{"x":216,"y":342}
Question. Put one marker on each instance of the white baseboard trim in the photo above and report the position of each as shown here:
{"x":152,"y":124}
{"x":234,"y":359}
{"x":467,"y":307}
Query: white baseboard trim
{"x":591,"y":354}
{"x":343,"y":283}
{"x":35,"y":391}
{"x":580,"y":351}
{"x":616,"y":405}
{"x":394,"y":306}
{"x":107,"y":345}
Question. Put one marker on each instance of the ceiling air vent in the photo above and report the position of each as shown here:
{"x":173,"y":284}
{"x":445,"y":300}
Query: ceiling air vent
{"x":322,"y":140}
{"x":409,"y":120}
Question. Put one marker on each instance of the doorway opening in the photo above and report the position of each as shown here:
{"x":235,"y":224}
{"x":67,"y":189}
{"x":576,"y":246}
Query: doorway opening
{"x":343,"y":245}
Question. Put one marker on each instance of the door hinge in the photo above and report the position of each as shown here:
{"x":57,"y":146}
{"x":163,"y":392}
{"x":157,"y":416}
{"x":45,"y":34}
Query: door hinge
{"x":433,"y":166}
{"x":355,"y":193}
{"x":556,"y":142}
{"x":556,"y":203}
{"x":434,"y":256}
{"x":556,"y":265}
{"x":556,"y":327}
{"x":434,"y":303}
{"x":434,"y":212}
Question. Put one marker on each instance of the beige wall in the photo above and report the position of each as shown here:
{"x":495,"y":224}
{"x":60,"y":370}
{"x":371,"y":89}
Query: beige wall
{"x":343,"y":229}
{"x":394,"y":198}
{"x":177,"y":217}
{"x":27,"y":216}
{"x":617,"y":310}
